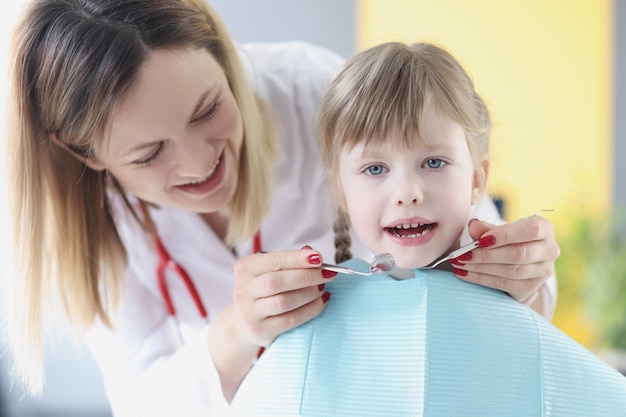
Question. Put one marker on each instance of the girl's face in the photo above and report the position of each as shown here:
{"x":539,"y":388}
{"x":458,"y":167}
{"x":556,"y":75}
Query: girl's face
{"x":415,"y":202}
{"x":176,"y":138}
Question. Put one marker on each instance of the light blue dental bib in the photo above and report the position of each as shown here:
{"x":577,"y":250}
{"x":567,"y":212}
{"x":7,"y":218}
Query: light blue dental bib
{"x":429,"y":346}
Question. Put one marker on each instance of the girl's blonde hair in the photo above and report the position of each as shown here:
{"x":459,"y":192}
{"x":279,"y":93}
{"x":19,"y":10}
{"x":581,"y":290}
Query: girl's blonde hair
{"x":72,"y":62}
{"x":386,"y":89}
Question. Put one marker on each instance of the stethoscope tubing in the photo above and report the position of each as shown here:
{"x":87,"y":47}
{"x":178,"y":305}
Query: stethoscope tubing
{"x":166,"y":262}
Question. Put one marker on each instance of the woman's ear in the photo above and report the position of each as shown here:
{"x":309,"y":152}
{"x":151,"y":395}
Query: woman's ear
{"x":92,"y":163}
{"x":481,"y":174}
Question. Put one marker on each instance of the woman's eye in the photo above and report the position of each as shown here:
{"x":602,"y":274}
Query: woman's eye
{"x":434,"y":163}
{"x":208,"y":113}
{"x":150,"y":158}
{"x":375,"y":170}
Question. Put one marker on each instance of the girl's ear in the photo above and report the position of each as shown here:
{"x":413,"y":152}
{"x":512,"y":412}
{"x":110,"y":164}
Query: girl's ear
{"x":481,"y":174}
{"x":336,"y":190}
{"x":92,"y":163}
{"x":341,"y":200}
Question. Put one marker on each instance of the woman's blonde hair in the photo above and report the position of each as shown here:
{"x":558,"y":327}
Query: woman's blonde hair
{"x":386,"y":89}
{"x":72,"y":62}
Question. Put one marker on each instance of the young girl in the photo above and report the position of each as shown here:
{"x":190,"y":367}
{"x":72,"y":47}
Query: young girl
{"x":405,"y":137}
{"x":406,"y":154}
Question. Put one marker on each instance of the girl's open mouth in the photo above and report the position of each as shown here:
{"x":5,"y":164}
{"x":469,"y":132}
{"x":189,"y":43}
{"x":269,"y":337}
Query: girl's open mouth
{"x":410,"y":231}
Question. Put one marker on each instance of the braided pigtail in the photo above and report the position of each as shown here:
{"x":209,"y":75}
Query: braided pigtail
{"x":342,"y":237}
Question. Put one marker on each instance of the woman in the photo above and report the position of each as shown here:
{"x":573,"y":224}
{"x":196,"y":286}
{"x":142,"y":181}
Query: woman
{"x":140,"y":137}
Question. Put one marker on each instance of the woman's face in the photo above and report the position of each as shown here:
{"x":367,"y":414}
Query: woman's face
{"x":176,"y":138}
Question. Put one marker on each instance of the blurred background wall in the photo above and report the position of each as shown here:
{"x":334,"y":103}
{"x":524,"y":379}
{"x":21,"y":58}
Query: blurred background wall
{"x":552,"y":73}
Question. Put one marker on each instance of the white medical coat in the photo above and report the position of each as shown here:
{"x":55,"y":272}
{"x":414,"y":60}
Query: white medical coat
{"x":146,"y":369}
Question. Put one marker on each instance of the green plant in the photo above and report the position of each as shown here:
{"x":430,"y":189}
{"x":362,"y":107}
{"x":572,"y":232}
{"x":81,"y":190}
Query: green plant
{"x":605,"y":289}
{"x":592,"y":274}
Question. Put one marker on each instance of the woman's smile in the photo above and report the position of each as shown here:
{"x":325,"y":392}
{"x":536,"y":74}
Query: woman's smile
{"x":182,"y":106}
{"x":208,"y":182}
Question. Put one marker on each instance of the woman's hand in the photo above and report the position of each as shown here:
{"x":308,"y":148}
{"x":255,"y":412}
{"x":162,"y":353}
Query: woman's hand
{"x":277,"y":291}
{"x":273,"y":292}
{"x":517,"y":258}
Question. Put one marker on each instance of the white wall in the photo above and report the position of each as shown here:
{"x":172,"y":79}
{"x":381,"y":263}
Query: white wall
{"x":74,"y":387}
{"x":328,"y":23}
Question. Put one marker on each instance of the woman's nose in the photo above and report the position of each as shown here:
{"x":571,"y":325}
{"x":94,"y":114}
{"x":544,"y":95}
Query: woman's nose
{"x":195,"y":158}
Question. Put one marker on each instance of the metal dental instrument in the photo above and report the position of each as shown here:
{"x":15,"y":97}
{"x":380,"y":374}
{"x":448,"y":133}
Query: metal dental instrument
{"x":381,"y":264}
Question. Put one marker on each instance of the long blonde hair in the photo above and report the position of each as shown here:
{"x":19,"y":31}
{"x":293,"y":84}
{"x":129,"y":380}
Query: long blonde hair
{"x":387,"y":88}
{"x":72,"y":61}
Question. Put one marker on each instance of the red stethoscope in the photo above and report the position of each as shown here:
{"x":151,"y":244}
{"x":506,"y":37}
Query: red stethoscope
{"x":166,"y":262}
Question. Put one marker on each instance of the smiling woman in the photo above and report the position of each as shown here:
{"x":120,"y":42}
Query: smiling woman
{"x":176,"y":139}
{"x":67,"y":364}
{"x":109,"y":122}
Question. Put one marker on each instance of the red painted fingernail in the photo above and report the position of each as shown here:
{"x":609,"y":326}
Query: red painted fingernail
{"x":456,"y":262}
{"x":321,"y":287}
{"x":487,"y":241}
{"x":459,"y":272}
{"x":314,"y":259}
{"x":328,"y":274}
{"x":325,"y":297}
{"x":465,"y":257}
{"x":306,"y":247}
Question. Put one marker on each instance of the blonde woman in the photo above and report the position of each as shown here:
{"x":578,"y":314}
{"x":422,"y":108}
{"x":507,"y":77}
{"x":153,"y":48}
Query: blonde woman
{"x":149,"y":159}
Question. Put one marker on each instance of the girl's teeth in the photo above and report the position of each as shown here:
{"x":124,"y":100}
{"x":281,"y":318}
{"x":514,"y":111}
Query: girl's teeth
{"x":408,"y":226}
{"x":426,"y":229}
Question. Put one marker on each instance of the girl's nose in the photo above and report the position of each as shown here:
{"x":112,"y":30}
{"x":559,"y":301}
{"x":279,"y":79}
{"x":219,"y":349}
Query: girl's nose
{"x":409,"y":193}
{"x":407,"y":201}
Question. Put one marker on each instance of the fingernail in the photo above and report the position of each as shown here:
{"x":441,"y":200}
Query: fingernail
{"x":328,"y":274}
{"x":471,"y":221}
{"x":456,"y":262}
{"x":459,"y":272}
{"x":314,"y":259}
{"x":325,"y":297}
{"x":321,"y":287}
{"x":487,"y":241}
{"x":465,"y":257}
{"x":306,"y":247}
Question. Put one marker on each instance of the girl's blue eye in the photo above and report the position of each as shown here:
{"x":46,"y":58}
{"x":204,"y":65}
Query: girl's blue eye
{"x":434,"y":163}
{"x":375,"y":170}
